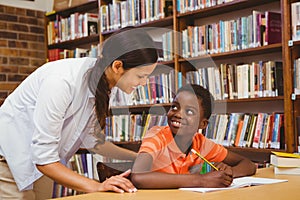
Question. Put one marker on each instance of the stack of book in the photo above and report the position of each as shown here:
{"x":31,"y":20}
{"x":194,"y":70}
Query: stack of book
{"x":285,"y":163}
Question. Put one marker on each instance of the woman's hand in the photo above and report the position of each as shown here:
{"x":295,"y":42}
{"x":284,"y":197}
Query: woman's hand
{"x":118,"y":183}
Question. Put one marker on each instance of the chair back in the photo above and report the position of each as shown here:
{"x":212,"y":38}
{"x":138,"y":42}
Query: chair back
{"x":106,"y":170}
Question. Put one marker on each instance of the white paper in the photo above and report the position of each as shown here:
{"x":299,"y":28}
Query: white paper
{"x":238,"y":183}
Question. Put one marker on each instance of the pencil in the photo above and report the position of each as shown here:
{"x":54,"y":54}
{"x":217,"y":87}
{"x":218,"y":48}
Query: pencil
{"x":198,"y":154}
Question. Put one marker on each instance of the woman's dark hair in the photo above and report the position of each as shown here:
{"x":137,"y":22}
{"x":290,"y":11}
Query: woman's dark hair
{"x":134,"y":47}
{"x":202,"y":94}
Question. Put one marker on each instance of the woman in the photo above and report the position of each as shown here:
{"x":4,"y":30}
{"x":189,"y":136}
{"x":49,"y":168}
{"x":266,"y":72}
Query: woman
{"x":61,"y":107}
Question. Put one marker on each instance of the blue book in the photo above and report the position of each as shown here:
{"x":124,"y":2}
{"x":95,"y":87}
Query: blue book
{"x":179,"y":79}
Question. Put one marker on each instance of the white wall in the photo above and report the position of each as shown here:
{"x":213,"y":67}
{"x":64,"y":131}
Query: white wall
{"x":42,"y":5}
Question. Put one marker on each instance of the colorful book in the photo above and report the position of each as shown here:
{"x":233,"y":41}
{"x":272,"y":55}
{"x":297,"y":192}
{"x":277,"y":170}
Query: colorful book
{"x":273,"y":27}
{"x":295,"y":20}
{"x":283,"y":161}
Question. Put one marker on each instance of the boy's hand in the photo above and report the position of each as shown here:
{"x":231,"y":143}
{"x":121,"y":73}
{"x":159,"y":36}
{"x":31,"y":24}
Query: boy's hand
{"x":223,"y":167}
{"x":217,"y":179}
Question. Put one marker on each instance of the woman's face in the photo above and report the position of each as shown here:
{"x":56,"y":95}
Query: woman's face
{"x":134,"y":77}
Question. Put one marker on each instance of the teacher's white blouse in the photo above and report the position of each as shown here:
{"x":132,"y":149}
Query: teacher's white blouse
{"x":47,"y":118}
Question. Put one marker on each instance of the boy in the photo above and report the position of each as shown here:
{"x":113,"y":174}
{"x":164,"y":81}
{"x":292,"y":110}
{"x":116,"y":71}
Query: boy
{"x":165,"y":159}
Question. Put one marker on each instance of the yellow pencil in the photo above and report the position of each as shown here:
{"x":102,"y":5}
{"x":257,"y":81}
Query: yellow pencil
{"x":198,"y":154}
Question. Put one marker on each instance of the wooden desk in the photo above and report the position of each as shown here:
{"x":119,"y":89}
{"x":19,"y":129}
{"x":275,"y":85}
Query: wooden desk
{"x":281,"y":191}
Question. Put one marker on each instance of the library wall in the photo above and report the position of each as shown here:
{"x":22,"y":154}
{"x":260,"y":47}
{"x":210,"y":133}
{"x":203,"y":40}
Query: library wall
{"x":22,"y":46}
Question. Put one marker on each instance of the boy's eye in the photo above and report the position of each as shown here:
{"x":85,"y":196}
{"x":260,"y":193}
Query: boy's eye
{"x":174,"y":107}
{"x":190,"y":112}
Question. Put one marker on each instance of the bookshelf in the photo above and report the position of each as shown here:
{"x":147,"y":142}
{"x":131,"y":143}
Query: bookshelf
{"x":291,"y":53}
{"x":286,"y":51}
{"x":223,"y":10}
{"x":69,"y":31}
{"x":282,"y":103}
{"x":279,"y":51}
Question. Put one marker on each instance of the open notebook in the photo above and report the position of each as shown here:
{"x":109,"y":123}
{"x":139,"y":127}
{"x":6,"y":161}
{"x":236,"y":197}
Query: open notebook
{"x":238,"y":183}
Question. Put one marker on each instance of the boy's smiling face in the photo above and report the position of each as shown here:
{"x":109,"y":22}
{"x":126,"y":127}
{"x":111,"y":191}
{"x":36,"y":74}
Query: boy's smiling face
{"x":186,"y":114}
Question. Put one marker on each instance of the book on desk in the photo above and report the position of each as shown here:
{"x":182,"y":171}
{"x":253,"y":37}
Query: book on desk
{"x":285,"y":163}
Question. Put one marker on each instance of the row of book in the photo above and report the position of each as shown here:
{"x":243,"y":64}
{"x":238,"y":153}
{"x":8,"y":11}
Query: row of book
{"x":297,"y":76}
{"x":133,"y":12}
{"x":257,"y":29}
{"x":228,"y":81}
{"x":158,"y":89}
{"x":295,"y":20}
{"x":168,"y":46}
{"x":77,"y":25}
{"x":81,"y":163}
{"x":237,"y":81}
{"x":85,"y":164}
{"x":57,"y":54}
{"x":261,"y":130}
{"x":184,"y":6}
{"x":131,"y":127}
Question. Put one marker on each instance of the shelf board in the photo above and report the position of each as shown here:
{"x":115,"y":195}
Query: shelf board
{"x":86,"y":7}
{"x":261,"y":99}
{"x":296,"y":43}
{"x":153,"y":108}
{"x":167,"y":21}
{"x":256,"y":155}
{"x":223,"y":8}
{"x":239,"y":53}
{"x":170,"y":62}
{"x":264,"y":104}
{"x":70,"y":44}
{"x":250,"y":105}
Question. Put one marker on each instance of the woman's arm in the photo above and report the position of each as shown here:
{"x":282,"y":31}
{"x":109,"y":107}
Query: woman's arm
{"x":65,"y":176}
{"x":108,"y":149}
{"x":143,"y":177}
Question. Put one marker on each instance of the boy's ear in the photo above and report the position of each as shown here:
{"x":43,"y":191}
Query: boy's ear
{"x":117,"y":67}
{"x":203,"y":124}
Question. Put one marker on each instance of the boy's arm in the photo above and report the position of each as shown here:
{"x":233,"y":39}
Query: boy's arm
{"x":241,"y":166}
{"x":142,"y":177}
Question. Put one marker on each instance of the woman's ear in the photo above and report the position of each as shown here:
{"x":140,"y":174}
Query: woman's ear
{"x":117,"y":67}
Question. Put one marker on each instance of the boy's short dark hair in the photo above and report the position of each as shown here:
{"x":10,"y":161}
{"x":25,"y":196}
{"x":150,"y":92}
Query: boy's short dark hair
{"x":202,"y":94}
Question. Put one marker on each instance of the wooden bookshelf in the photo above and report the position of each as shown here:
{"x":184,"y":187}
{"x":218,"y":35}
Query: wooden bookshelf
{"x":86,"y":7}
{"x":281,"y":51}
{"x":259,"y":156}
{"x":81,"y":41}
{"x":179,"y":21}
{"x":284,"y":51}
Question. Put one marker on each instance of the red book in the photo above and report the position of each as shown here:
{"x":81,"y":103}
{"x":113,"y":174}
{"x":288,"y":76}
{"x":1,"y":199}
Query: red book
{"x":153,"y":89}
{"x":258,"y":129}
{"x":273,"y":27}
